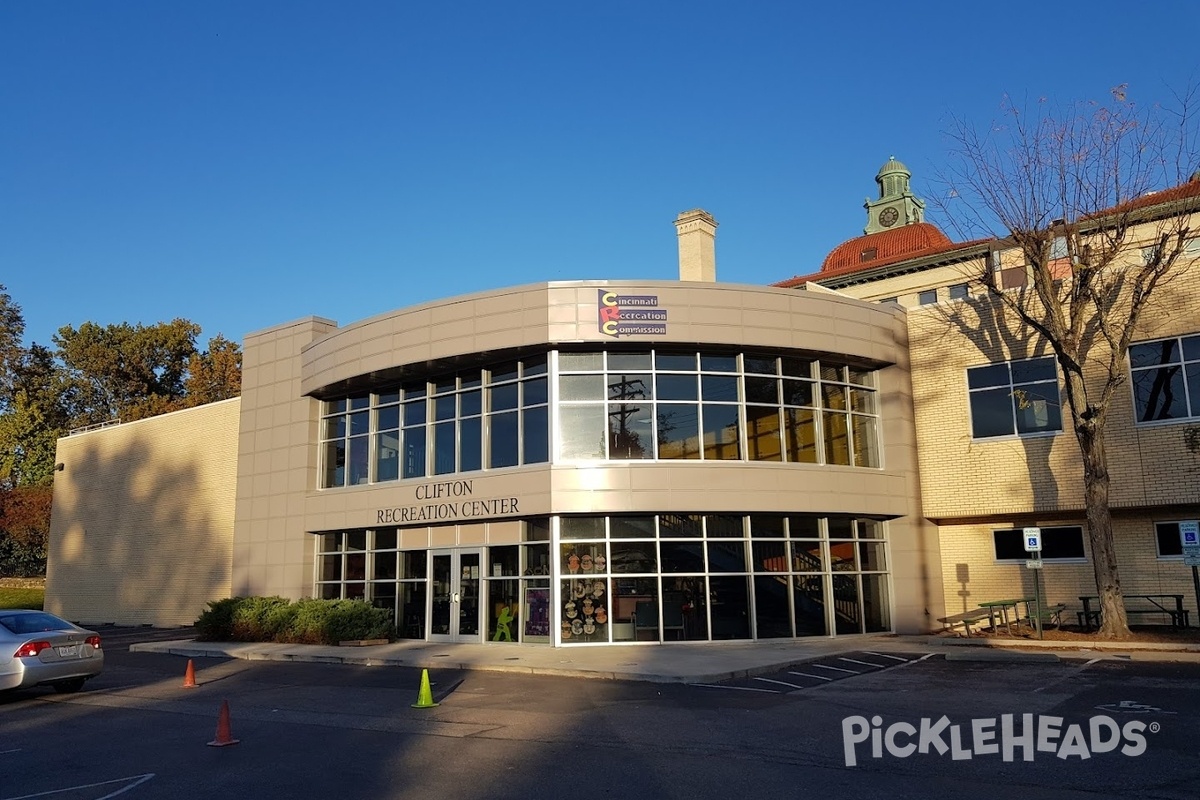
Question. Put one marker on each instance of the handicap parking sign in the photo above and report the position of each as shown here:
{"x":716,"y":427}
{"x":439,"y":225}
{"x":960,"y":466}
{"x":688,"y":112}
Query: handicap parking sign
{"x":1189,"y":534}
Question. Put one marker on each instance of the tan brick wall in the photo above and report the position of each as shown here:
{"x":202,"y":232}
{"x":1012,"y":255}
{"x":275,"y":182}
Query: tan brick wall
{"x":141,"y":526}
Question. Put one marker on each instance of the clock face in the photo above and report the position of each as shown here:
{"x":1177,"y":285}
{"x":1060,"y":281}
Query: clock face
{"x":888,"y":217}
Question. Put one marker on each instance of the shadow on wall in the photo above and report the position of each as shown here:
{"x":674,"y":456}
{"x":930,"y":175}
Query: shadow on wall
{"x":141,"y":532}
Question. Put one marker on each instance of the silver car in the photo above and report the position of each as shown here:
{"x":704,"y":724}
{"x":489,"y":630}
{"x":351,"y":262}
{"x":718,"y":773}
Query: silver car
{"x":37,"y":648}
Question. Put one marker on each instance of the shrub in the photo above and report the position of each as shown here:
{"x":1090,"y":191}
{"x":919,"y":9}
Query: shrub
{"x":216,"y":622}
{"x":307,"y":621}
{"x":355,"y":619}
{"x":261,"y":619}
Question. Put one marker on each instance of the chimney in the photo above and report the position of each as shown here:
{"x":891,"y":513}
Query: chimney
{"x":697,"y":246}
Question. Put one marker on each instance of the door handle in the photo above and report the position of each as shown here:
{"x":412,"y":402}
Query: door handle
{"x":456,"y":597}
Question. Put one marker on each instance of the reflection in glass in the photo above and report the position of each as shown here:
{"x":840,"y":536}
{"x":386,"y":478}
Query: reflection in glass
{"x":678,"y":431}
{"x":846,"y":611}
{"x":730,"y":609}
{"x":808,"y":598}
{"x":772,"y":616}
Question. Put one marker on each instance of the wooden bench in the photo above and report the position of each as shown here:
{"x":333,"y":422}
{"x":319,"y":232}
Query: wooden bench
{"x":1052,"y":615}
{"x":967,"y":618}
{"x":1090,"y":619}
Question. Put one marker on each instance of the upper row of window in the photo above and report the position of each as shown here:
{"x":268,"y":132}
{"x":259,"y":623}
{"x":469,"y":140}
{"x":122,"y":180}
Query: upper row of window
{"x":1022,"y":397}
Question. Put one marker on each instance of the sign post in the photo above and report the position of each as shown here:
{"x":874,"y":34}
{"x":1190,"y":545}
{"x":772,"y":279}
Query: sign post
{"x":1033,"y":544}
{"x":1189,"y":537}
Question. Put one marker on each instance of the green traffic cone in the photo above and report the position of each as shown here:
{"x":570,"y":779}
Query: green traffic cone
{"x":425,"y":697}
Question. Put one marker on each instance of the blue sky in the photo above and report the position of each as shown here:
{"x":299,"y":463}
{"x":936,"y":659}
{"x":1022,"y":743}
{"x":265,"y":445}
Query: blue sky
{"x":243,"y":164}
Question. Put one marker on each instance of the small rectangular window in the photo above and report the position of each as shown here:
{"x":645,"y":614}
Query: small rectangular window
{"x":958,"y":291}
{"x":890,"y":300}
{"x":1015,"y":397}
{"x":1058,"y":544}
{"x":1058,"y":247}
{"x":927,"y":297}
{"x":1167,"y":536}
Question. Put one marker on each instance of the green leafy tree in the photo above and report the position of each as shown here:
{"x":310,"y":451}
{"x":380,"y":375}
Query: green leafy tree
{"x":215,"y":374}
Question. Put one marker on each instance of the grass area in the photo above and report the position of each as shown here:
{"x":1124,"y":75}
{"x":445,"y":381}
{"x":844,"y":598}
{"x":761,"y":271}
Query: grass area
{"x":21,"y":598}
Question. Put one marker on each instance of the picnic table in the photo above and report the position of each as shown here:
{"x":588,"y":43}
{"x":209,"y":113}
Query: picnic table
{"x":1169,"y":604}
{"x":1000,"y":608}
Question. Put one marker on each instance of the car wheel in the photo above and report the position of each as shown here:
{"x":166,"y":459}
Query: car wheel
{"x":67,"y":687}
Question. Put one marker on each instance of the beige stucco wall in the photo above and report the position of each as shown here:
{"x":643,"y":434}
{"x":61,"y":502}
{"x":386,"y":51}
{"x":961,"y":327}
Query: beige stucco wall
{"x":141,"y":525}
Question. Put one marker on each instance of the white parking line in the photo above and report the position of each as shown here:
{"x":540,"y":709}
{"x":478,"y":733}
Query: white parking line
{"x":782,"y":683}
{"x":885,"y":655}
{"x":837,"y":669}
{"x":137,"y":780}
{"x":806,"y":675}
{"x":6,"y":752}
{"x":864,"y":663}
{"x":704,"y":685}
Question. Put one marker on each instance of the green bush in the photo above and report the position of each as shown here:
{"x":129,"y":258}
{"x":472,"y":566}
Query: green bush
{"x":306,"y":621}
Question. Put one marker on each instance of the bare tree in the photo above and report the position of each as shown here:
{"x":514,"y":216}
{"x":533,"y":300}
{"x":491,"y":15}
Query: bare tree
{"x":1096,"y":199}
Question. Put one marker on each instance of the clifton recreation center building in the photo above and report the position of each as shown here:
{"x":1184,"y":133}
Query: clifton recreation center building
{"x":606,"y":462}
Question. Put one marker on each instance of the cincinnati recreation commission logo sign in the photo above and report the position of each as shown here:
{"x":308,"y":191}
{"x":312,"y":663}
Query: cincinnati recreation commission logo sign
{"x":631,"y":314}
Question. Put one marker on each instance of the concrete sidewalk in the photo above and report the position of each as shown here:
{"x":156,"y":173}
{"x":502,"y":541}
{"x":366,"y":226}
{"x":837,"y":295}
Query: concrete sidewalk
{"x":699,"y":662}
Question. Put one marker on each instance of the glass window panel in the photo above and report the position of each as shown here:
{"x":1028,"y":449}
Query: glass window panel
{"x":833,"y":372}
{"x":760,"y":364}
{"x":358,"y":460}
{"x":762,"y":390}
{"x":413,"y":564}
{"x":444,"y":407}
{"x":869,"y":529}
{"x":330,"y":568}
{"x":767,"y":526}
{"x":335,"y":463}
{"x":833,"y":397}
{"x":672,"y":526}
{"x":470,"y":445}
{"x":1150,"y":354}
{"x":800,"y":435}
{"x":861,"y":377}
{"x":384,"y":567}
{"x":685,"y":608}
{"x":634,"y":557}
{"x":721,"y":438}
{"x":726,"y":556}
{"x":871,"y":557}
{"x":387,"y":457}
{"x":682,"y":556}
{"x":444,"y":447}
{"x":675,"y":362}
{"x":470,"y":379}
{"x":445,"y":384}
{"x":502,"y":397}
{"x":866,"y":441}
{"x":804,"y":527}
{"x":507,"y":558}
{"x":840,"y":527}
{"x":503,"y":435}
{"x":388,"y":397}
{"x":1193,"y":385}
{"x":335,"y":406}
{"x":335,"y":427}
{"x":630,"y":430}
{"x":991,"y":413}
{"x":537,"y":529}
{"x":330,"y":542}
{"x":580,"y":362}
{"x":411,"y":610}
{"x":414,"y":452}
{"x":414,"y":390}
{"x":1191,"y":347}
{"x":770,"y":556}
{"x":535,"y":441}
{"x":1037,"y":408}
{"x":876,"y":608}
{"x":534,"y":366}
{"x":534,"y":392}
{"x":634,"y":610}
{"x":806,"y":556}
{"x":772,"y":618}
{"x":330,"y":591}
{"x":1037,"y":369}
{"x":984,"y":377}
{"x":763,"y":433}
{"x":629,"y":387}
{"x":841,"y":556}
{"x":581,"y":431}
{"x":730,"y":607}
{"x":837,"y":438}
{"x":863,"y":401}
{"x":631,"y":527}
{"x":809,"y":604}
{"x":796,"y":367}
{"x":581,"y":527}
{"x":470,"y":403}
{"x":847,"y":614}
{"x":385,"y":539}
{"x":678,"y":430}
{"x":362,"y":401}
{"x":356,"y":566}
{"x":537,"y":558}
{"x":414,"y":413}
{"x":1159,"y":394}
{"x":724,"y":526}
{"x":581,"y":387}
{"x":798,"y":393}
{"x":356,"y":540}
{"x":716,"y":363}
{"x":504,"y":372}
{"x":388,"y":418}
{"x":628,"y":361}
{"x":676,"y":387}
{"x":719,"y":388}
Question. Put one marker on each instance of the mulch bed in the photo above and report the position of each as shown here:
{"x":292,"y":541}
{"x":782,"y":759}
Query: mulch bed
{"x":1155,"y":634}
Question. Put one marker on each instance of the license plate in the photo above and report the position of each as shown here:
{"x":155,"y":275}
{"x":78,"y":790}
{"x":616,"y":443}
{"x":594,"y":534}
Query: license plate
{"x":68,"y":652}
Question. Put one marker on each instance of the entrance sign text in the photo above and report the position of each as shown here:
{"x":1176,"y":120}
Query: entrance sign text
{"x":451,"y":500}
{"x":631,"y":314}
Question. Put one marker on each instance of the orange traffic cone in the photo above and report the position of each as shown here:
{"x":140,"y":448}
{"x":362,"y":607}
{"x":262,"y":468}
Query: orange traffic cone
{"x":224,"y":734}
{"x":425,"y":696}
{"x":189,"y":676}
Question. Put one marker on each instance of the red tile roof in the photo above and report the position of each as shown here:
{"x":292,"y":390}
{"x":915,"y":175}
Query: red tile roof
{"x":1183,"y":191}
{"x":890,"y":246}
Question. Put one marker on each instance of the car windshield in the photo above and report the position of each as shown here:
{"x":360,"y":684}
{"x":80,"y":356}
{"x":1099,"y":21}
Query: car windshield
{"x":33,"y":623}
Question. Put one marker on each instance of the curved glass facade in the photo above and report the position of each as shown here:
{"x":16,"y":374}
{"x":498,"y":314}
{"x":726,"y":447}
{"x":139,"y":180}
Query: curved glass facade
{"x":572,"y":406}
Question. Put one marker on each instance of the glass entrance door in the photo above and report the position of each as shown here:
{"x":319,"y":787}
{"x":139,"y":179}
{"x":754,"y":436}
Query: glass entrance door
{"x":454,"y":578}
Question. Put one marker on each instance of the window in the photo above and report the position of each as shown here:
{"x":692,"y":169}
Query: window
{"x":1058,"y":247}
{"x":890,"y":300}
{"x":927,"y":297}
{"x":1166,"y":535}
{"x":1151,"y":254}
{"x":958,"y":291}
{"x":1166,"y":379}
{"x":1058,"y":544}
{"x":868,"y":254}
{"x":1015,"y":397}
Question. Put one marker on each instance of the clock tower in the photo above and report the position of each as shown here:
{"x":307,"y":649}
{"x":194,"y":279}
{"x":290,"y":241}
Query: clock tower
{"x":896,"y":205}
